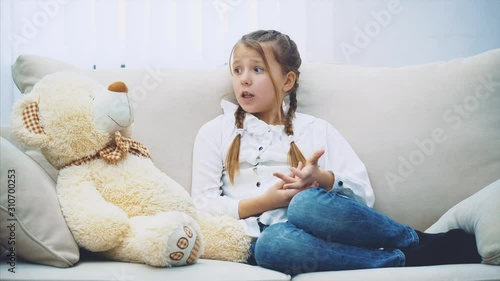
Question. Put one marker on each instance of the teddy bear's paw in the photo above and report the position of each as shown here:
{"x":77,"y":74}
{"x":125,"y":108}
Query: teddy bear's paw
{"x":163,"y":240}
{"x":224,"y":238}
{"x":184,"y":245}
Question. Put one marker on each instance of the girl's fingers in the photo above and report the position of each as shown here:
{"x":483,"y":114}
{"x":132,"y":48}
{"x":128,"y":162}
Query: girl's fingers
{"x":314,"y":184}
{"x":297,"y":173}
{"x":315,"y":157}
{"x":292,"y":186}
{"x":300,"y":166}
{"x":285,"y":178}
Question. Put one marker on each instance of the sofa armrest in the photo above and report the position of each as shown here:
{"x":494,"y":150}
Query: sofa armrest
{"x":30,"y":213}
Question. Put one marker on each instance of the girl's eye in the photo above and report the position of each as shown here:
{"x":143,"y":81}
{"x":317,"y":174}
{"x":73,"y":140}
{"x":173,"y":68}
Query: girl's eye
{"x":91,"y":97}
{"x":258,"y":69}
{"x":237,"y":70}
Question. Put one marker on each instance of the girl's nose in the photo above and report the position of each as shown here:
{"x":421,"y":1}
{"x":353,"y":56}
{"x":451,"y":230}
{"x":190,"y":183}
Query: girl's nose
{"x":245,"y":79}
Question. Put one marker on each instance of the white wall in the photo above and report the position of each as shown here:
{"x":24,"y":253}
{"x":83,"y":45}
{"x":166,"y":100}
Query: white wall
{"x":201,"y":33}
{"x":415,"y":31}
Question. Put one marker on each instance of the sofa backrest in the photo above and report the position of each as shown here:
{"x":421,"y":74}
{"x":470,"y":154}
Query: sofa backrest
{"x":428,"y":134}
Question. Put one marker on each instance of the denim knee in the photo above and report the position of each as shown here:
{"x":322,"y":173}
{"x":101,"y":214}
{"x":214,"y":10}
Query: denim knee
{"x":266,"y":247}
{"x":302,"y":202}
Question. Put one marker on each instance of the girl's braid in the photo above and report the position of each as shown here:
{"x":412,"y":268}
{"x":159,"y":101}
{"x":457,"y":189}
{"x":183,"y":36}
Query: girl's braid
{"x":239,"y":117}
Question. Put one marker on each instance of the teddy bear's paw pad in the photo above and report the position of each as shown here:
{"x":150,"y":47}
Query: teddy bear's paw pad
{"x":188,"y":231}
{"x":187,"y":246}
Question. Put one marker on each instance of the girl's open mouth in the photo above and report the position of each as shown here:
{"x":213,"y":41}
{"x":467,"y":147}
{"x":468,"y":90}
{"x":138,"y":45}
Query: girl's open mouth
{"x":247,"y":95}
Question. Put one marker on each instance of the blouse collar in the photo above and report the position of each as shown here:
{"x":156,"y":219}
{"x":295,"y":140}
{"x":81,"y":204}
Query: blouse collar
{"x":257,"y":127}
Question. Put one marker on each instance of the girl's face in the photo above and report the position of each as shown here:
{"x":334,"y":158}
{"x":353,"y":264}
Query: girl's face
{"x":252,"y":83}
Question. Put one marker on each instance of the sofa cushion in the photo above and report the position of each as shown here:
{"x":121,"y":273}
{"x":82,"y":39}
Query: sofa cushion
{"x":478,"y":214}
{"x":29,"y":210}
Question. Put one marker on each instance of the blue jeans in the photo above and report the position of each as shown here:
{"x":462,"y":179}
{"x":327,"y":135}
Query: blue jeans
{"x":327,"y":231}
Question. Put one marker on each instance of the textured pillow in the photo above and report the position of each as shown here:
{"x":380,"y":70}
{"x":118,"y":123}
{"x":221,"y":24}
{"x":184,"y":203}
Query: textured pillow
{"x":33,"y":227}
{"x":29,"y":69}
{"x":479,"y":214}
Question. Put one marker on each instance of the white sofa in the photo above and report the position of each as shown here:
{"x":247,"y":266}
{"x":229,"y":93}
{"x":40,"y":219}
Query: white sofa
{"x":429,"y":135}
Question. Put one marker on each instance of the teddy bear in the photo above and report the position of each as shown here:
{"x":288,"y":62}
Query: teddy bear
{"x":114,"y":199}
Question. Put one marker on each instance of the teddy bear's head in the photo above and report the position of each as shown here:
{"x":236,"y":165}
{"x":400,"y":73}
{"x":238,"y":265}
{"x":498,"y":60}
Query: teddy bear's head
{"x":70,"y":116}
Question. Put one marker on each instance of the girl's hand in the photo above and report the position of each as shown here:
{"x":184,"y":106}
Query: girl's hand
{"x":280,"y":194}
{"x":279,"y":197}
{"x":275,"y":197}
{"x":303,"y":177}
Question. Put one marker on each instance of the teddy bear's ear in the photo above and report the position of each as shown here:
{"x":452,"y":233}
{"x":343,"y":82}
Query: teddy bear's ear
{"x":26,"y":124}
{"x":31,"y":118}
{"x":118,"y":87}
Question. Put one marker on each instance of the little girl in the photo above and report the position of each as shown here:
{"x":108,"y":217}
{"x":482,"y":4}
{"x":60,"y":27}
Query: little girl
{"x":306,"y":215}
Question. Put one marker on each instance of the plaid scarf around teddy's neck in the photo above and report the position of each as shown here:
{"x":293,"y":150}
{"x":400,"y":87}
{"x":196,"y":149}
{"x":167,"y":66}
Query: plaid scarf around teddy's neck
{"x":114,"y":151}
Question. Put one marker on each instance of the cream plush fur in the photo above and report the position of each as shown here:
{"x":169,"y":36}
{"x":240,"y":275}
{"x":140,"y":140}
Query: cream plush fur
{"x":127,"y":209}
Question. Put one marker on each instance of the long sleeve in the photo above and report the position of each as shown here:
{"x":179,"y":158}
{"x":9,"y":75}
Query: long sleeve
{"x":351,"y":177}
{"x":208,"y":167}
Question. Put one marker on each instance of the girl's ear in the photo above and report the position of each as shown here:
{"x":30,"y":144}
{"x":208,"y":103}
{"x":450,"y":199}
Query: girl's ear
{"x":290,"y":80}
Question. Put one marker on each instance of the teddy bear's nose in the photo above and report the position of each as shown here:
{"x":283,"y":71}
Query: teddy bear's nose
{"x":118,"y":87}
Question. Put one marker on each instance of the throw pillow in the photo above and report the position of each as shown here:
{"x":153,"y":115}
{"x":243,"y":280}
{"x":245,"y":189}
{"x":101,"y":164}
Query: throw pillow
{"x":33,"y":227}
{"x":478,"y":214}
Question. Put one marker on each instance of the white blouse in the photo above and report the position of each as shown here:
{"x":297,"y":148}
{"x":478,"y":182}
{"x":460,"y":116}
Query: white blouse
{"x":263,"y":151}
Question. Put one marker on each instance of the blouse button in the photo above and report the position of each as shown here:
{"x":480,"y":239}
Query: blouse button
{"x":258,"y":184}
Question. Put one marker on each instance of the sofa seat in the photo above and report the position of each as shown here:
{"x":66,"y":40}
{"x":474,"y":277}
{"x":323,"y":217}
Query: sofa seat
{"x":98,"y":270}
{"x":455,"y":272}
{"x":208,"y":270}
